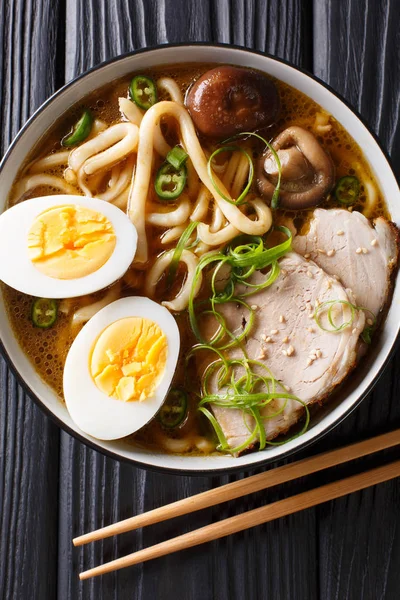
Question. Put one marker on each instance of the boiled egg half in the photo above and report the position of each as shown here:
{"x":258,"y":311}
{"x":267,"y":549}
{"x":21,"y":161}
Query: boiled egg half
{"x":64,"y":246}
{"x":120,"y":366}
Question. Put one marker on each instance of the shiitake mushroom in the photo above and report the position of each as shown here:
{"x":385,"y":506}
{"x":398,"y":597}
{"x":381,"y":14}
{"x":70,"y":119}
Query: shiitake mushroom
{"x":227,"y":100}
{"x":306,"y":169}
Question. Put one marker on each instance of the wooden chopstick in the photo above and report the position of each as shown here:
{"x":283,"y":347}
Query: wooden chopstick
{"x":252,"y":518}
{"x":246,"y":486}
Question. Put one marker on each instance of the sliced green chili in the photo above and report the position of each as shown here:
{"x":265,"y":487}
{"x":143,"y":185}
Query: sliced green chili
{"x":174,"y":410}
{"x":177,"y":157}
{"x":170,"y":182}
{"x":347,"y":190}
{"x":44,"y":312}
{"x":143,"y":91}
{"x":80,"y":130}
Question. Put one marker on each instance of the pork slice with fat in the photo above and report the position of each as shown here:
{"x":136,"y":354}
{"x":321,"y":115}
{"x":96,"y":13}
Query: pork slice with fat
{"x":309,"y":361}
{"x":362,"y":254}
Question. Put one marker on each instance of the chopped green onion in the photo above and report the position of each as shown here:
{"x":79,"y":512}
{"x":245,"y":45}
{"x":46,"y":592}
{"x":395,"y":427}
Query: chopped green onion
{"x":80,"y":130}
{"x":347,"y":190}
{"x":143,"y":91}
{"x":366,"y":334}
{"x":275,"y":195}
{"x":170,"y":182}
{"x":177,"y":157}
{"x":242,"y":198}
{"x":44,"y":312}
{"x":174,"y":410}
{"x":181,"y":245}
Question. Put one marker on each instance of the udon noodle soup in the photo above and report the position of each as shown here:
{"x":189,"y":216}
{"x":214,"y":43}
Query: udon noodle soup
{"x":260,"y":228}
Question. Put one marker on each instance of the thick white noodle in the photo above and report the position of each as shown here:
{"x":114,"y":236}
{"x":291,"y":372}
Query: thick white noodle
{"x":371,"y":192}
{"x":49,"y":162}
{"x":181,"y":301}
{"x":139,"y":190}
{"x":130,"y":111}
{"x":218,"y":219}
{"x":178,"y":216}
{"x":82,"y":315}
{"x":201,"y":207}
{"x":120,"y":179}
{"x":173,"y":234}
{"x":104,"y":151}
{"x":202,"y":248}
{"x":33,"y":181}
{"x":171,"y":87}
{"x":321,"y":124}
{"x":240,"y":178}
{"x":121,"y":201}
{"x":134,"y":114}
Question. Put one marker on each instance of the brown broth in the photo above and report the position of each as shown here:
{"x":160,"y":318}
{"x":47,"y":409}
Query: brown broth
{"x":47,"y":349}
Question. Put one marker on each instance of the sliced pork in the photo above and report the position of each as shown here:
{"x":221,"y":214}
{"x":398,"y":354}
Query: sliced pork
{"x":309,"y":361}
{"x":361,"y":254}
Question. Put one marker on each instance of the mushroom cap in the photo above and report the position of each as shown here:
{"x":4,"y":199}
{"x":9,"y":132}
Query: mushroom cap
{"x":307,"y":172}
{"x":228,"y":100}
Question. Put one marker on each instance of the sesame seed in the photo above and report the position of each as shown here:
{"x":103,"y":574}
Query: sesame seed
{"x":370,"y":322}
{"x":364,"y":250}
{"x":254,"y":307}
{"x":284,"y":352}
{"x":374,"y":242}
{"x":287,"y":388}
{"x":307,"y":255}
{"x":262,"y":354}
{"x":350,"y":209}
{"x":330,"y":253}
{"x":268,"y":340}
{"x":359,"y":250}
{"x":281,"y":319}
{"x":340,"y":232}
{"x":311,"y":315}
{"x":310,"y":275}
{"x":354,"y":331}
{"x":283,"y":272}
{"x":321,"y":251}
{"x":317,"y":302}
{"x":309,"y":362}
{"x":310,"y":329}
{"x":336,"y":277}
{"x":319,"y":353}
{"x":329,"y":284}
{"x":274,"y":331}
{"x":264,"y":337}
{"x":290,"y":351}
{"x":285,"y":340}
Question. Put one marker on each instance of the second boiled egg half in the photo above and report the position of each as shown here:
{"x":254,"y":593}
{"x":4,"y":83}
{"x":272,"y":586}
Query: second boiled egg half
{"x":120,"y":367}
{"x":64,"y":246}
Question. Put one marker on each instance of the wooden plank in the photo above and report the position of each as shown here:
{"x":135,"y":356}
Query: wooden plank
{"x":266,"y":562}
{"x":28,"y":440}
{"x":359,"y":536}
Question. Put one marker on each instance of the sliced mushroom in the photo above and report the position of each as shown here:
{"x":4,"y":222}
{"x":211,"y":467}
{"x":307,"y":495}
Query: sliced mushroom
{"x":228,"y":100}
{"x":307,"y":171}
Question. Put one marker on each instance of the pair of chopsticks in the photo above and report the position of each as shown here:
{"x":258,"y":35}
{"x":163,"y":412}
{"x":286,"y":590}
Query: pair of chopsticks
{"x":244,"y":487}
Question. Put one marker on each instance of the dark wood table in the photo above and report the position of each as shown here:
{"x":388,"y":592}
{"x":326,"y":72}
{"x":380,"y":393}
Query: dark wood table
{"x":51,"y":486}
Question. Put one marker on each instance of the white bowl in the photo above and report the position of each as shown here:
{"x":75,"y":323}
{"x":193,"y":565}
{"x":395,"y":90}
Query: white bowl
{"x":366,"y":374}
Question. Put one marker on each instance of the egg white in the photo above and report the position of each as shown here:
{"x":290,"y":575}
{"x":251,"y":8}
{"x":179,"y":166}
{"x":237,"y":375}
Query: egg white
{"x":18,"y":271}
{"x":94,"y":412}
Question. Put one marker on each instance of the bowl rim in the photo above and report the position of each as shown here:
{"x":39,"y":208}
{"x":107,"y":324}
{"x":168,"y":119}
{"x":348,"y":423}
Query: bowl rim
{"x":136,"y":462}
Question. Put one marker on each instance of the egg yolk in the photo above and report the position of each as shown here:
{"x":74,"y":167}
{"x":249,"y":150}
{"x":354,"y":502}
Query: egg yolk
{"x":68,"y":242}
{"x":128,"y":358}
